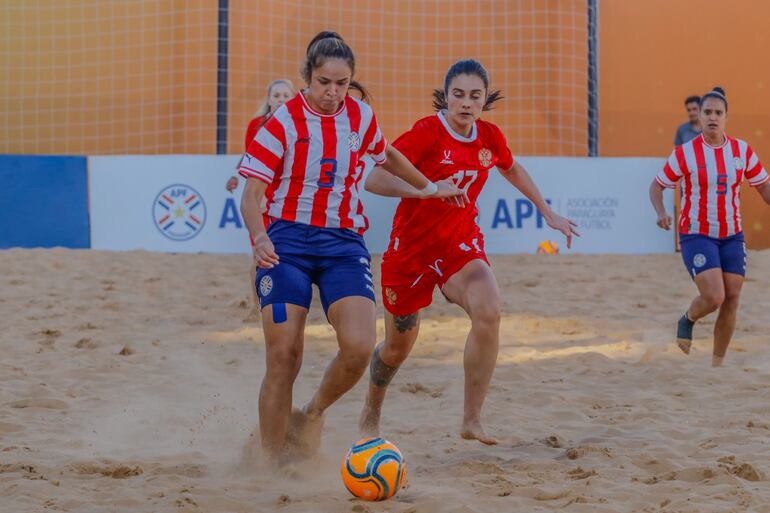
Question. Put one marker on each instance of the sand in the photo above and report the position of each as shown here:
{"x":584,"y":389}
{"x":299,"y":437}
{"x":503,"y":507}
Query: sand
{"x":128,"y":383}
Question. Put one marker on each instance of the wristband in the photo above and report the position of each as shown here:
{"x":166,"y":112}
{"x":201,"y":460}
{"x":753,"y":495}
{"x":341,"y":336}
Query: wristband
{"x":429,"y":190}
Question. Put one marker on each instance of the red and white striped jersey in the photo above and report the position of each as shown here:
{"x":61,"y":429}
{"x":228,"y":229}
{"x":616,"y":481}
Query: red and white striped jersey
{"x":712,"y":184}
{"x":312,"y":162}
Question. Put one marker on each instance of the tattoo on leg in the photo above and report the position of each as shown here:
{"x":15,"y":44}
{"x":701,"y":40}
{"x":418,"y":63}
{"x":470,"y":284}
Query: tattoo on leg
{"x":380,"y":372}
{"x":405,"y":322}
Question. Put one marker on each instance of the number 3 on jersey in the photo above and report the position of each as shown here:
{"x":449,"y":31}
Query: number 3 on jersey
{"x":328,"y":170}
{"x":464,"y":179}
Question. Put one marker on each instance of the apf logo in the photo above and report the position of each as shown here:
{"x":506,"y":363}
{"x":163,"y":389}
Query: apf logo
{"x":179,"y":212}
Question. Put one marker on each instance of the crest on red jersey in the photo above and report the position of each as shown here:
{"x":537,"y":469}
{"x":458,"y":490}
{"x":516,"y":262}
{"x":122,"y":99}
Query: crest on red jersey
{"x":485,"y":157}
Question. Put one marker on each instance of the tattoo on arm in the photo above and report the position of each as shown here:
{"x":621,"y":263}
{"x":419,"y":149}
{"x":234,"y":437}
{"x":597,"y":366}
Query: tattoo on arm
{"x":380,"y":372}
{"x":406,"y":322}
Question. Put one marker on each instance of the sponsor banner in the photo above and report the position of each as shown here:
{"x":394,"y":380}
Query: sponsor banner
{"x":175,"y":203}
{"x":607,"y":197}
{"x":179,"y":203}
{"x":44,"y":202}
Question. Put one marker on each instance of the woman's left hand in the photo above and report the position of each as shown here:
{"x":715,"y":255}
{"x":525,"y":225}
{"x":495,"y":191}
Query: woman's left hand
{"x":564,"y":225}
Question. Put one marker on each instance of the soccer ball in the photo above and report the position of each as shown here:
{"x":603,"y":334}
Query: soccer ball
{"x":547,"y":247}
{"x":373,"y":469}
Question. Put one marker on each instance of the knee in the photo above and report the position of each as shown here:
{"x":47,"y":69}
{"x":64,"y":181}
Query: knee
{"x":731,"y":300}
{"x":284,"y":363}
{"x":393,"y":354}
{"x":355,"y":354}
{"x":714,"y":300}
{"x":486,"y":312}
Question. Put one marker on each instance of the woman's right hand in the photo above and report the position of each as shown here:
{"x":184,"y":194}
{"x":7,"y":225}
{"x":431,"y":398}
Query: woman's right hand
{"x":450,"y":193}
{"x":665,"y":220}
{"x":264,"y":252}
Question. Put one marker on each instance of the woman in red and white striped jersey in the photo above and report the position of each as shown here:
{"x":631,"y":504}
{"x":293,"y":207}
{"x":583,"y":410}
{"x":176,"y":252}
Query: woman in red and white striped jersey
{"x":712,"y":167}
{"x":307,"y":161}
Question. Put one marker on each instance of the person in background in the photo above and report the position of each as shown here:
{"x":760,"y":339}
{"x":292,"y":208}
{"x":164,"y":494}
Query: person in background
{"x":688,"y":131}
{"x":278,"y":92}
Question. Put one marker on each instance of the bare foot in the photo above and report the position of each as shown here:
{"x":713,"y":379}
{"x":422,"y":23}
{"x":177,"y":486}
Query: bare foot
{"x":369,"y":422}
{"x":303,"y":438}
{"x":717,"y":361}
{"x":474,"y":431}
{"x":684,"y":345}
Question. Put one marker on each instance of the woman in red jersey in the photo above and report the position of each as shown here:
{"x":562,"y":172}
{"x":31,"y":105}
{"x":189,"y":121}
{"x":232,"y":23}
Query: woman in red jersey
{"x":278,"y":92}
{"x":437,"y":244}
{"x":307,"y":161}
{"x":712,"y":165}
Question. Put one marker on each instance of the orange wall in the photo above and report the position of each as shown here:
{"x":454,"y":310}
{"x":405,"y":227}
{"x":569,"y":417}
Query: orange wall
{"x":535,"y":53}
{"x":108,"y":77}
{"x":655,"y":53}
{"x":111,"y":76}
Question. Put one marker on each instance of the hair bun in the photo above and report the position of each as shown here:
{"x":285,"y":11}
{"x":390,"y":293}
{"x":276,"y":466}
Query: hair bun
{"x":719,"y":90}
{"x":324,"y":34}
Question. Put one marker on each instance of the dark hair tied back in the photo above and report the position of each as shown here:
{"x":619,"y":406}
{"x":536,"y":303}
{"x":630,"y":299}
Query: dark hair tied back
{"x":330,"y":45}
{"x":465,"y":67}
{"x":718,"y":93}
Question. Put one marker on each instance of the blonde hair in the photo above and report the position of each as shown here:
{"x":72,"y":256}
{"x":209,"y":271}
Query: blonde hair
{"x":264,"y":109}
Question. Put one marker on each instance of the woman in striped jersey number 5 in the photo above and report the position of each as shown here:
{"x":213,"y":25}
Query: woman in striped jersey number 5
{"x":307,"y":161}
{"x":712,"y":166}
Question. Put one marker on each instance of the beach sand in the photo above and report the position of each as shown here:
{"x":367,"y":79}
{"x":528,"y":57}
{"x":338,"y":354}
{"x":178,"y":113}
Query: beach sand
{"x":129,"y":383}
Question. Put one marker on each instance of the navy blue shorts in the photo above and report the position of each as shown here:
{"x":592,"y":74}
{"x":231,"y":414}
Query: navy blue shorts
{"x":701,"y":253}
{"x":334,"y":259}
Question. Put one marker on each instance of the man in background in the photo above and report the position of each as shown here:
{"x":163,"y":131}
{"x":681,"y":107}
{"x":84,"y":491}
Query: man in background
{"x":688,"y":131}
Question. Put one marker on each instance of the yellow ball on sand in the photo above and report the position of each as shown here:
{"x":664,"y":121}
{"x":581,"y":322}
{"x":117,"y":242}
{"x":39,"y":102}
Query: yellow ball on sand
{"x":373,"y":469}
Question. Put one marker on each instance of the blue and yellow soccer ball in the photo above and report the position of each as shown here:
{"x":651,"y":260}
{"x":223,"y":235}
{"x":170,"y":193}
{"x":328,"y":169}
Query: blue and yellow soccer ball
{"x":373,"y":469}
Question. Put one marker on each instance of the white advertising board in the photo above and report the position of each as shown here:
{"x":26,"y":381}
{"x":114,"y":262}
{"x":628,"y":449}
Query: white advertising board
{"x":178,"y":203}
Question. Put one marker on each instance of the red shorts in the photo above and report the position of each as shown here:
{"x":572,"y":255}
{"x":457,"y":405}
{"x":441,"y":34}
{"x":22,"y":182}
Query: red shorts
{"x":408,"y":280}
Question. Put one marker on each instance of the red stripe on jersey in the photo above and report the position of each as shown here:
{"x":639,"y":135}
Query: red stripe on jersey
{"x":721,"y":190}
{"x":354,"y":115}
{"x":369,"y":137}
{"x":267,"y":157}
{"x":328,"y":171}
{"x":684,"y":220}
{"x":703,"y":186}
{"x":297,"y":179}
{"x":735,"y":147}
{"x":754,"y":171}
{"x":670,"y":173}
{"x":276,"y":130}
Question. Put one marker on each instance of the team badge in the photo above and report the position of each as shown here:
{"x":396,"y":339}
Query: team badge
{"x":391,"y":295}
{"x":179,"y":212}
{"x":699,"y":260}
{"x":354,"y":141}
{"x":738,"y":163}
{"x":485,"y":157}
{"x":265,"y":286}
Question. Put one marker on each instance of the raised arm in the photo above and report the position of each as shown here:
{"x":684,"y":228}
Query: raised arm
{"x":400,"y":167}
{"x":384,"y":183}
{"x":519,"y":178}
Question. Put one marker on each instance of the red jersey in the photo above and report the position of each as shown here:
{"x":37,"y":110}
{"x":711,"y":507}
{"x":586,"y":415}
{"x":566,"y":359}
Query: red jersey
{"x":712,"y":184}
{"x":421,"y":225}
{"x":312,"y":162}
{"x":252,"y":129}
